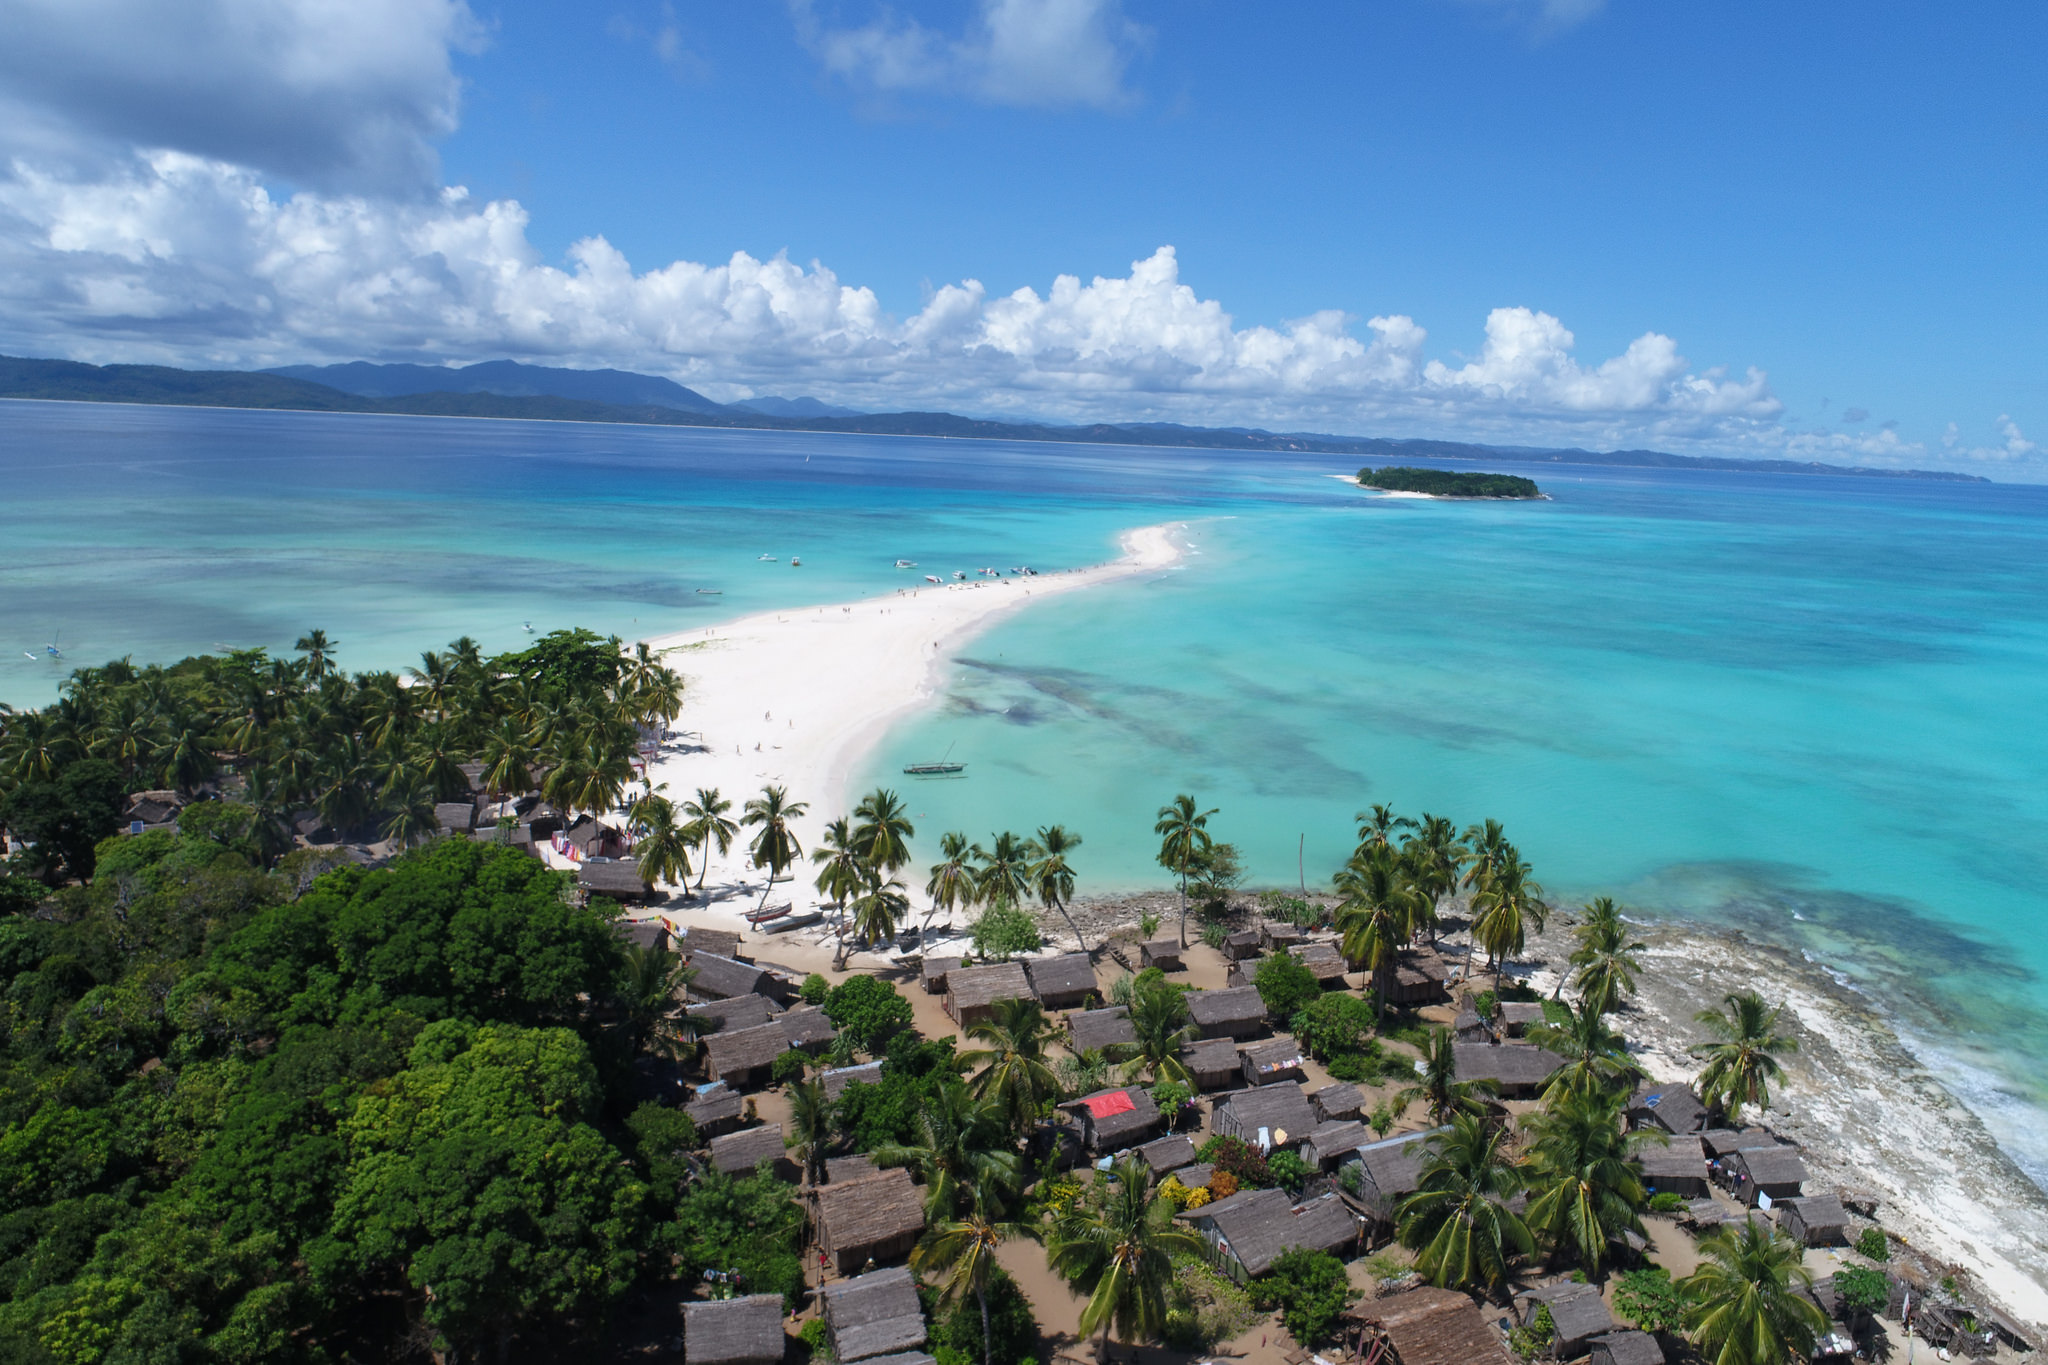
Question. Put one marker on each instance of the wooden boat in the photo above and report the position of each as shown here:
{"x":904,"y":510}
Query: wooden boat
{"x":784,"y":925}
{"x":763,"y":916}
{"x":933,"y":769}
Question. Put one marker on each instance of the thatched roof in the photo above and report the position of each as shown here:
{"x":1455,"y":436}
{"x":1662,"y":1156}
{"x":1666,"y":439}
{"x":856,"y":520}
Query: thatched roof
{"x":1674,"y":1108}
{"x":1281,"y":935}
{"x":979,"y":987}
{"x":901,"y":1358}
{"x":1340,"y":1101}
{"x":1168,"y":1153}
{"x":806,"y":1027}
{"x":1772,"y":1165}
{"x":1626,"y":1348}
{"x":859,"y":1214}
{"x":612,"y":877}
{"x":734,"y":1053}
{"x":1278,"y":1059}
{"x":1211,"y":1056}
{"x":740,"y":1012}
{"x":1819,"y":1217}
{"x":1260,"y":1225}
{"x":1437,"y":1327}
{"x":718,"y":1104}
{"x":1393,"y":1169}
{"x":1276,"y":1108}
{"x":1093,"y":1029}
{"x":1069,"y":974}
{"x":453,"y":816}
{"x":723,"y":942}
{"x":1510,"y":1065}
{"x":1197,"y":1174}
{"x":722,"y":978}
{"x":724,"y":1331}
{"x":1322,"y":958}
{"x":738,"y":1153}
{"x":1222,"y":1009}
{"x":839,"y":1077}
{"x":935,"y":969}
{"x":1727,"y":1141}
{"x":1107,"y":1132}
{"x":1576,"y":1311}
{"x":1330,"y":1140}
{"x":648,"y":933}
{"x":840,"y":1169}
{"x":1242,"y":944}
{"x":1162,"y":953}
{"x":873,"y":1314}
{"x":1682,"y":1159}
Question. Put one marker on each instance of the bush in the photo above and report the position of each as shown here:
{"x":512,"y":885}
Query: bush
{"x":1170,"y":1096}
{"x":1205,"y":1307}
{"x":1235,"y":1158}
{"x":1013,"y":1332}
{"x":815,"y":989}
{"x":1222,"y":1184}
{"x":1200,"y":1195}
{"x":1310,"y":1289}
{"x":1649,"y":1299}
{"x":1286,"y":985}
{"x":1214,"y":934}
{"x":1333,"y":1024}
{"x":1486,"y":1004}
{"x":1860,"y":1289}
{"x":1148,"y":925}
{"x":788,"y":1067}
{"x":868,"y":1010}
{"x":1873,"y":1245}
{"x":1288,"y":1170}
{"x":1534,"y":1340}
{"x":1383,"y":1117}
{"x":1003,"y":931}
{"x":1359,"y":1068}
{"x":1175,"y":1193}
{"x":1666,"y":1201}
{"x":813,"y":1335}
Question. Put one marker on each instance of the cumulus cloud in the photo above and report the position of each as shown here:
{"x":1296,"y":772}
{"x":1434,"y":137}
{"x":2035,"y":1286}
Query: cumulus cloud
{"x":1016,"y":52}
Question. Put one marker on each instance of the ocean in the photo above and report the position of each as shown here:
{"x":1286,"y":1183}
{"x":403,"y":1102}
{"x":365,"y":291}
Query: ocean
{"x":1807,"y":706}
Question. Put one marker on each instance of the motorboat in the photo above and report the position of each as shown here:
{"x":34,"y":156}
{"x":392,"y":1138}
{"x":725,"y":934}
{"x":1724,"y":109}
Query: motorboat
{"x":795,"y":563}
{"x":906,"y":563}
{"x":764,"y":559}
{"x":929,"y":578}
{"x":959,"y":575}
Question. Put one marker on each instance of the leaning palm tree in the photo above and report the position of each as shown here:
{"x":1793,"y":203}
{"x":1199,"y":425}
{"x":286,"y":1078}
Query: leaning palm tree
{"x":706,"y":816}
{"x":1016,"y":1070}
{"x":841,"y":872}
{"x":775,"y":847}
{"x":1744,"y":1305}
{"x":1004,"y":875}
{"x":1596,"y":1058}
{"x":1379,"y":911}
{"x":661,"y":846}
{"x":1586,"y":1187}
{"x":877,"y":911}
{"x":952,"y":880}
{"x":963,"y":1151}
{"x":1119,"y":1251}
{"x":1158,"y":1013}
{"x":1605,"y":959}
{"x":1508,"y":903}
{"x":1051,"y":876}
{"x":882,"y":830}
{"x":1437,"y":1085}
{"x":1183,"y":839}
{"x":1458,"y":1221}
{"x":961,"y":1254}
{"x":1742,"y":1064}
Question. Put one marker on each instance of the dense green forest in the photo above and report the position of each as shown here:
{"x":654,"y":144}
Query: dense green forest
{"x":1447,"y":483}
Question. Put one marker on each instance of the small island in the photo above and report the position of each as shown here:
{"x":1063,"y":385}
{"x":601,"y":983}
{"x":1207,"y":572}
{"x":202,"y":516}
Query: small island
{"x":1447,"y":483}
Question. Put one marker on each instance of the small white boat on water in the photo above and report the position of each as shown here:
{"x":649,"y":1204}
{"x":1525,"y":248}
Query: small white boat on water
{"x":929,"y":578}
{"x":795,"y":563}
{"x":906,"y":563}
{"x":959,"y":575}
{"x":764,"y":559}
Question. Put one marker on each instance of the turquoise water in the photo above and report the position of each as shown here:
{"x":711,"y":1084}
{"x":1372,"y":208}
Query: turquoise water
{"x":1810,"y":706}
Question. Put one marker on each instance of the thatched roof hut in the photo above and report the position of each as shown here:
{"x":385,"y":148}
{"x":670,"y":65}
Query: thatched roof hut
{"x":1212,"y":1062}
{"x":1436,"y":1327}
{"x":972,"y":992}
{"x":1517,"y":1068}
{"x":1237,"y":1013}
{"x":1274,"y":935}
{"x":935,"y":969}
{"x":1339,"y":1101}
{"x":738,"y":1153}
{"x":1242,"y":945}
{"x":1577,"y":1314}
{"x":839,"y":1077}
{"x":1625,"y":1348}
{"x":1111,"y":1120}
{"x":1726,"y":1142}
{"x":744,"y":1331}
{"x":1275,"y":1063}
{"x":873,"y":1314}
{"x":643,"y":934}
{"x":1091,"y":1030}
{"x":876,"y":1219}
{"x":807,"y":1029}
{"x":1673,"y":1108}
{"x":1679,"y":1167}
{"x":1281,"y":1111}
{"x":723,"y":978}
{"x":1391,"y":1170}
{"x":1064,"y":982}
{"x":1168,"y":1153}
{"x":455,"y":817}
{"x":1776,"y":1171}
{"x":1252,"y":1229}
{"x":1163,"y":953}
{"x":715,"y":1109}
{"x":1815,"y":1220}
{"x":740,"y":1012}
{"x":1322,"y":958}
{"x":617,"y":878}
{"x":1329,"y":1143}
{"x":840,"y":1169}
{"x":1419,"y":977}
{"x":741,"y":1058}
{"x":1197,"y":1174}
{"x":698,"y":938}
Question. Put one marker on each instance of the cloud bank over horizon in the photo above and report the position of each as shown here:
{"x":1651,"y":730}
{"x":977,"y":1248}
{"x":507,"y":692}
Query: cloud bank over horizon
{"x":273,"y":196}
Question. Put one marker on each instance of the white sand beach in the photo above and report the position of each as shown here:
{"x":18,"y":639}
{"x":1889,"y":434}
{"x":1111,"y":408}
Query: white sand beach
{"x":798,"y":698}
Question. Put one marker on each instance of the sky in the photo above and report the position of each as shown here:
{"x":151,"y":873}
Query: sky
{"x":1808,"y":231}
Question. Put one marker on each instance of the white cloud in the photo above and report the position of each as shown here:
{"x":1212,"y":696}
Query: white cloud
{"x":1017,"y":52}
{"x":1543,"y":18}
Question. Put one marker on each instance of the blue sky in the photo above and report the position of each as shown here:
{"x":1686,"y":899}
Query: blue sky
{"x":1804,"y":230}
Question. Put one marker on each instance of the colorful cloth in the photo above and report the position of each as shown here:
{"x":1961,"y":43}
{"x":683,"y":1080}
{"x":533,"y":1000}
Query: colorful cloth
{"x":1116,"y":1102}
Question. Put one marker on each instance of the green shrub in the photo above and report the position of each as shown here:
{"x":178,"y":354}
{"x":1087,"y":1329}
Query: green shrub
{"x":1238,"y":1159}
{"x":815,"y":989}
{"x":1003,"y":931}
{"x":787,"y":1067}
{"x":1286,"y":985}
{"x":1873,"y":1245}
{"x":1170,"y":1096}
{"x":1013,"y":1332}
{"x":1288,"y":1170}
{"x":1486,"y":1004}
{"x":1148,"y":925}
{"x":1666,"y":1201}
{"x":868,"y":1010}
{"x":1214,"y":934}
{"x":1859,"y":1289}
{"x":1534,"y":1340}
{"x":1333,"y":1024}
{"x":1310,"y":1289}
{"x":1354,"y":1067}
{"x":813,"y":1335}
{"x":1648,"y":1299}
{"x":1205,"y":1307}
{"x":1383,"y":1117}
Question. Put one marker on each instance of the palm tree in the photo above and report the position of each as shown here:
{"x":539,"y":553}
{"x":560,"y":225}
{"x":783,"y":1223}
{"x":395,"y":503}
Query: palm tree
{"x":508,"y":758}
{"x":706,"y":814}
{"x":877,"y":911}
{"x":1379,"y":912}
{"x":1016,"y":1072}
{"x":952,"y":881}
{"x":1051,"y":876}
{"x":1487,"y":845}
{"x":1743,"y":1303}
{"x":1437,"y":1084}
{"x":1159,"y":1017}
{"x":775,"y":847}
{"x":1596,"y":1057}
{"x":1434,"y":854}
{"x":1119,"y":1251}
{"x":1586,"y":1188}
{"x":1458,"y":1221}
{"x":1004,"y":876}
{"x":1607,"y":962}
{"x":651,"y":984}
{"x":1508,"y":903}
{"x":962,"y":1254}
{"x":38,"y":744}
{"x":810,"y":1128}
{"x":841,"y":872}
{"x":963,"y":1151}
{"x":661,"y":846}
{"x":1183,"y":839}
{"x":319,"y":652}
{"x":1376,"y":827}
{"x":1743,"y":1064}
{"x":410,"y":816}
{"x":882,"y":831}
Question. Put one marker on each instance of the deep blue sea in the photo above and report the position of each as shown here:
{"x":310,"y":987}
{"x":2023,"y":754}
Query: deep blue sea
{"x":1812,"y":706}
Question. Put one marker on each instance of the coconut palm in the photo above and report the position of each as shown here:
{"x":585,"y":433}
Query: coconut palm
{"x":1487,"y":845}
{"x":409,"y":814}
{"x":1743,"y":1305}
{"x":661,"y":844}
{"x":882,"y":830}
{"x":1119,"y":1250}
{"x":1437,"y":1085}
{"x":1434,"y":854}
{"x":775,"y":847}
{"x":1183,"y":841}
{"x":1379,"y":911}
{"x":38,"y":744}
{"x":1159,"y":1017}
{"x":1051,"y":876}
{"x":1458,"y":1222}
{"x":810,"y":1128}
{"x":961,"y":1254}
{"x":706,"y":816}
{"x":1586,"y":1188}
{"x":1376,"y":827}
{"x":508,"y":758}
{"x":650,"y":990}
{"x":1004,"y":875}
{"x":963,"y":1151}
{"x":841,"y":873}
{"x":1508,"y":903}
{"x":877,"y":911}
{"x":1742,"y":1064}
{"x":952,"y":880}
{"x":1596,"y":1058}
{"x":319,"y":654}
{"x":1016,"y":1070}
{"x":1606,"y":961}
{"x":183,"y":757}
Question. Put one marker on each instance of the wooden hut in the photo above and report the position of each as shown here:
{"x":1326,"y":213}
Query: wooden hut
{"x":1679,"y":1167}
{"x":1322,"y":958}
{"x":934,"y":971}
{"x":1577,"y":1314}
{"x":1468,"y":1027}
{"x":643,"y":934}
{"x":744,"y":1331}
{"x":1162,"y":953}
{"x":839,"y":1077}
{"x":1390,"y":1170}
{"x":739,"y":1153}
{"x":1275,"y":936}
{"x":1251,"y":1229}
{"x":1419,"y":977}
{"x":1515,"y":1016}
{"x":1235,"y":1013}
{"x":1815,"y":1220}
{"x":1093,"y":1030}
{"x":1111,"y":1120}
{"x":618,"y":879}
{"x":1062,"y":983}
{"x":807,"y":1029}
{"x":724,"y":978}
{"x":1776,"y":1171}
{"x":1436,"y":1327}
{"x":698,"y":938}
{"x":715,"y":1109}
{"x":1517,"y":1068}
{"x":1329,"y":1143}
{"x":1212,"y":1063}
{"x":1268,"y":1117}
{"x":1671,"y":1108}
{"x":454,"y":817}
{"x":1625,"y":1348}
{"x":840,"y":1169}
{"x":1273,"y":1063}
{"x":740,"y":1012}
{"x":875,"y":1314}
{"x":741,"y":1058}
{"x":972,"y":992}
{"x":1168,"y":1153}
{"x":1722,"y":1143}
{"x":876,"y":1219}
{"x":1240,"y":946}
{"x":1339,"y":1101}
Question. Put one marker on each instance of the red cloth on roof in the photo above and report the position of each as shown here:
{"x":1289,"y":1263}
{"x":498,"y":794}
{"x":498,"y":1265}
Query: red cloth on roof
{"x":1116,"y":1102}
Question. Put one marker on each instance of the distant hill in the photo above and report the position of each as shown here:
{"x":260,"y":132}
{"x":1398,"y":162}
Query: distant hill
{"x":795,"y":407}
{"x":289,"y":389}
{"x":508,"y":379}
